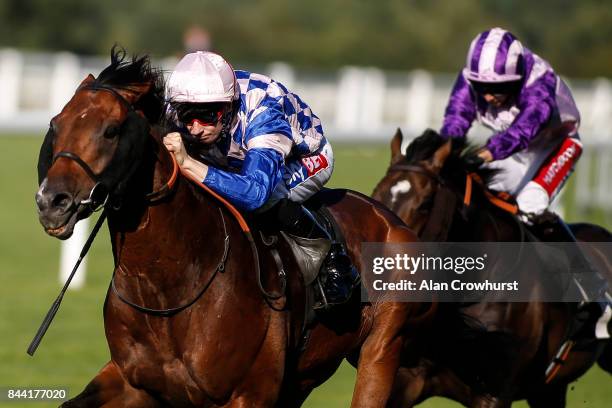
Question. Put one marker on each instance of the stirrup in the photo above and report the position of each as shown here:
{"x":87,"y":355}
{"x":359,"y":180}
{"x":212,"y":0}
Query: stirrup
{"x":339,"y":267}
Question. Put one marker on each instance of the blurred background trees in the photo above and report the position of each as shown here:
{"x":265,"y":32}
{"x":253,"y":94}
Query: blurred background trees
{"x":575,"y":36}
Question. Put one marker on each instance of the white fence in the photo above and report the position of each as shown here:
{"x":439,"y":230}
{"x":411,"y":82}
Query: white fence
{"x":354,"y":104}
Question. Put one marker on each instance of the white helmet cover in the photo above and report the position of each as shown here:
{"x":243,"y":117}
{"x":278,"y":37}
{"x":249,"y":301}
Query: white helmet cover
{"x":495,"y":56}
{"x":202,"y":77}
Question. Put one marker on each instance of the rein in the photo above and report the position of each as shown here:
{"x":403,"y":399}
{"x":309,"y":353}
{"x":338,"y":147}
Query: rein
{"x":247,"y":232}
{"x":173,"y":310}
{"x":500,"y":200}
{"x":445,"y":200}
{"x":445,"y":205}
{"x":98,"y":198}
{"x":44,"y":326}
{"x":99,"y":194}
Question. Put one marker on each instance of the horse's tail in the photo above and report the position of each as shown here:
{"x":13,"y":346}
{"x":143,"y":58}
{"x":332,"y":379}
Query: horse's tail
{"x":481,"y":358}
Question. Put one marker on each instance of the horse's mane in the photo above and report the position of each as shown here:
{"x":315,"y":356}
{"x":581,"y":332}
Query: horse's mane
{"x":424,"y":147}
{"x":125,"y":72}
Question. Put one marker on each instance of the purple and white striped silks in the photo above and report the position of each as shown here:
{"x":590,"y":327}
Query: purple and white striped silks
{"x":495,"y":56}
{"x":543,"y":101}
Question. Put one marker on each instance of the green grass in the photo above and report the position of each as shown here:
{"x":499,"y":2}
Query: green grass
{"x":75,"y":348}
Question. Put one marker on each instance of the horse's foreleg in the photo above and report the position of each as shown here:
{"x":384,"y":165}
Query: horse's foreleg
{"x":109,"y":389}
{"x":380,"y":356}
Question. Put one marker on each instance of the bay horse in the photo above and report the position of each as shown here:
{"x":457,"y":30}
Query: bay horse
{"x":426,"y":187}
{"x":193,"y":315}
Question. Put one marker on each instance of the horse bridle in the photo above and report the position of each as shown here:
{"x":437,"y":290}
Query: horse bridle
{"x":99,"y":194}
{"x":416,"y":169}
{"x":94,"y":203}
{"x":440,"y":182}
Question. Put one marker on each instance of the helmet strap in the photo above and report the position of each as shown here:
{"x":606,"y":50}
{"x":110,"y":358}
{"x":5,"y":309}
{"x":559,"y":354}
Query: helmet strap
{"x":227,"y":119}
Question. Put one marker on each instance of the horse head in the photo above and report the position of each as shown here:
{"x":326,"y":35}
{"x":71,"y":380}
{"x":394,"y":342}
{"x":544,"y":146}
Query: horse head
{"x":426,"y":181}
{"x":97,"y":142}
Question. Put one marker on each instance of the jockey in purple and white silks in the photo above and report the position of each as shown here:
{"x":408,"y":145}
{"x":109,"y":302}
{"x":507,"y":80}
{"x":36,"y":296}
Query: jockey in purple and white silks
{"x":515,"y":93}
{"x":258,"y":145}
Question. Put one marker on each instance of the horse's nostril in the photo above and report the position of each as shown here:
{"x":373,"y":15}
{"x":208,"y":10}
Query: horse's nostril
{"x":61,"y":201}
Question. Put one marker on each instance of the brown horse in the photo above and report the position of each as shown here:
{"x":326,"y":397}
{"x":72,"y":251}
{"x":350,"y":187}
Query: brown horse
{"x":194,"y":316}
{"x":431,"y":169}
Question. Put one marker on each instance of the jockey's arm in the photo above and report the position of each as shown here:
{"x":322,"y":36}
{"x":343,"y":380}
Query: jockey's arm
{"x":268,"y":140}
{"x":250,"y":189}
{"x":536,"y":103}
{"x":460,"y":111}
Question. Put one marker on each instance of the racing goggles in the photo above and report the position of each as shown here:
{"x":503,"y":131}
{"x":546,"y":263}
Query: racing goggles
{"x":496,"y":88}
{"x":206,"y":114}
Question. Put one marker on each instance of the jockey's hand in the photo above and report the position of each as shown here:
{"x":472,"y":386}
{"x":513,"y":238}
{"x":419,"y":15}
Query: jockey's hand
{"x":486,"y":155}
{"x":174,"y":144}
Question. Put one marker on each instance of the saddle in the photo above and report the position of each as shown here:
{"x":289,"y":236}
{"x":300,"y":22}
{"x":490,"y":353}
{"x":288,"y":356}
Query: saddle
{"x":308,"y":258}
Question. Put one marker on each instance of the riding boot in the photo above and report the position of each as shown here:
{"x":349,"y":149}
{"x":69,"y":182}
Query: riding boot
{"x":338,"y":275}
{"x":590,"y":283}
{"x":592,"y":287}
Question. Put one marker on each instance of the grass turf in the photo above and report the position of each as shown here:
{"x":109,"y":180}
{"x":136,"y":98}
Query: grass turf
{"x":75,"y":348}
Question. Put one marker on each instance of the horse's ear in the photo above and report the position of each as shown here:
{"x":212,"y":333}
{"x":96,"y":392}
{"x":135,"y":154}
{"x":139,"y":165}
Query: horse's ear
{"x":133,"y":92}
{"x":88,"y":80}
{"x":396,"y":145}
{"x":440,"y":156}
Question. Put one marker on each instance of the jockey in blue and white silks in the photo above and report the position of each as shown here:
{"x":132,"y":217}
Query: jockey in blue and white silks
{"x":515,"y":93}
{"x":258,"y":145}
{"x":274,"y":137}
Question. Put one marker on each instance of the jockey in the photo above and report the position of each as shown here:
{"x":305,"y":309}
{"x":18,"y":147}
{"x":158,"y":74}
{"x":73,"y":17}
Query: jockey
{"x":515,"y":93}
{"x":259,"y":146}
{"x":535,"y":144}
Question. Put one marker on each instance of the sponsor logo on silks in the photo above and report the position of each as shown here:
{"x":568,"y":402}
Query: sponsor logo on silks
{"x":295,"y":177}
{"x":314,"y":164}
{"x":559,"y":162}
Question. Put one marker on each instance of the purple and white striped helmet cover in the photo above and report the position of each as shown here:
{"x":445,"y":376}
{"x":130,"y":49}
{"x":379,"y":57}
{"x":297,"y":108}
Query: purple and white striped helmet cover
{"x":495,"y":56}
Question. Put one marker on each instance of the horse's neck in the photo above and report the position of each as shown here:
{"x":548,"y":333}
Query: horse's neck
{"x":170,"y":236}
{"x":483,"y":222}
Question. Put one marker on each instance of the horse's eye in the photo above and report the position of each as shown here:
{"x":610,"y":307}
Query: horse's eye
{"x":111,"y":131}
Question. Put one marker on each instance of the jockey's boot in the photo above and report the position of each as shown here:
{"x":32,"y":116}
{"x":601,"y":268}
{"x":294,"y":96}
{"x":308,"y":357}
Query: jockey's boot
{"x":338,"y":275}
{"x":592,"y":286}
